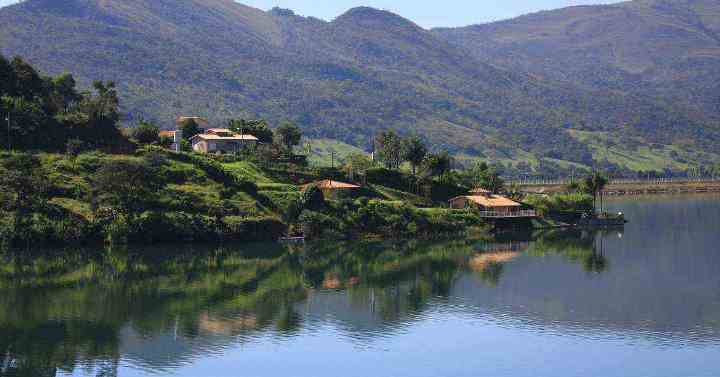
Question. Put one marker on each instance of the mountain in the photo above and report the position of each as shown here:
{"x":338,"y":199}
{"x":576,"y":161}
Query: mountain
{"x":659,"y":48}
{"x":480,"y":91}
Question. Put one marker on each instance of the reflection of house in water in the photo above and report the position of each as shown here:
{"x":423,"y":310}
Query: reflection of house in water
{"x":227,"y":326}
{"x":481,"y":262}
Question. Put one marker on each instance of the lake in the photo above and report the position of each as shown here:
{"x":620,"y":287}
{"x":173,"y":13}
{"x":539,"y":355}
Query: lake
{"x":638,"y":301}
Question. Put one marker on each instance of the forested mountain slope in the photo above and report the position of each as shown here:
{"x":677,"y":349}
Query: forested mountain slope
{"x":365,"y":71}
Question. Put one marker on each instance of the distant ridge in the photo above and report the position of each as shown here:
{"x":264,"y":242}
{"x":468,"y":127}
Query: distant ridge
{"x":563,"y":89}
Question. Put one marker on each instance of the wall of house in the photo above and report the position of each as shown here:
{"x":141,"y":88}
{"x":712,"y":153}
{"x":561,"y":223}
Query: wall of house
{"x":459,"y":203}
{"x":200,"y":147}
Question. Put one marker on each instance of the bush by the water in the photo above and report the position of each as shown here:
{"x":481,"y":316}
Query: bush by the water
{"x":568,"y":203}
{"x":382,"y":218}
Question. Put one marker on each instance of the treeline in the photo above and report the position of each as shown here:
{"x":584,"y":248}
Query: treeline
{"x":49,"y":113}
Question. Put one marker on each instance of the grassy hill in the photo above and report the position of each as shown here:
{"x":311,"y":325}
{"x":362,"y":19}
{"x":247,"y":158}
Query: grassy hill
{"x":344,"y":80}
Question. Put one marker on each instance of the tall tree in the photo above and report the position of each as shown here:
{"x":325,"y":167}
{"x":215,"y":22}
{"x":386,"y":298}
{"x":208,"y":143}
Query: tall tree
{"x":189,"y":129}
{"x":146,"y":133}
{"x":7,"y":78}
{"x":289,"y":135}
{"x":22,"y":185}
{"x":258,"y":128}
{"x":594,"y":185}
{"x":388,"y":149}
{"x":414,"y":152}
{"x":437,"y":164}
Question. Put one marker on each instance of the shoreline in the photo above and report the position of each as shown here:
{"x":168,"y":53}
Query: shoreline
{"x":632,"y":189}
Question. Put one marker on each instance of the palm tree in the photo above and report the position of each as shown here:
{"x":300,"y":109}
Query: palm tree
{"x":594,"y":185}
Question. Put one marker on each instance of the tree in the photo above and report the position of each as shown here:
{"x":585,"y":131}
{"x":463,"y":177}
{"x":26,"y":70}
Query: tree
{"x":289,"y":135}
{"x":388,"y":149}
{"x":166,"y":141}
{"x":313,"y":198}
{"x":437,"y":164}
{"x":63,"y":92}
{"x":27,"y":121}
{"x":189,"y":129}
{"x":482,"y":175}
{"x":146,"y":133}
{"x":414,"y":151}
{"x":257,"y":128}
{"x":131,"y":185}
{"x":7,"y":77}
{"x":357,"y":163}
{"x":73,"y":147}
{"x":493,"y":182}
{"x":23,"y":185}
{"x":594,"y":185}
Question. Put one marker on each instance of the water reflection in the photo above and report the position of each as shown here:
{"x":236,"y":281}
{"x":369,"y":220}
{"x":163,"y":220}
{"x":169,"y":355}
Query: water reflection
{"x":88,"y":313}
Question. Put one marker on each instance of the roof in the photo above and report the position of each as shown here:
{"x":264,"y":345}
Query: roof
{"x":202,"y":122}
{"x":480,"y":190}
{"x":329,"y":184}
{"x":245,"y":137}
{"x":219,"y":131}
{"x":490,"y":201}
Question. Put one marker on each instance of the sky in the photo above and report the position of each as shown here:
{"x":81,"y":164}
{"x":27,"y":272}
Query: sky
{"x":427,"y":13}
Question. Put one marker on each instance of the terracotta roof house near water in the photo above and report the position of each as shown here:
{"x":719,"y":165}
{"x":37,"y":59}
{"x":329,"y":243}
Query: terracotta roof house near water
{"x":490,"y":205}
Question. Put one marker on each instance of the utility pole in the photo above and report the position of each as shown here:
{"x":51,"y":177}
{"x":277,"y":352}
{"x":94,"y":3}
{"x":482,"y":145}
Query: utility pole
{"x":332,"y":159}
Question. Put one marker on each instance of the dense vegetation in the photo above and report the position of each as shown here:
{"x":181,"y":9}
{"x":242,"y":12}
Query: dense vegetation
{"x":350,"y":79}
{"x":48,"y":113}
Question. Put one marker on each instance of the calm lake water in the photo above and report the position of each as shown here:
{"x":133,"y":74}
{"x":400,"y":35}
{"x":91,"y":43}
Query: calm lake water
{"x":643,"y":301}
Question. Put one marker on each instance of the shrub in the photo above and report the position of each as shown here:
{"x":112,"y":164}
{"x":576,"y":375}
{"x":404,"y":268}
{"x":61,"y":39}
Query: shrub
{"x":315,"y":224}
{"x":313,"y":198}
{"x":253,"y":229}
{"x":389,"y":178}
{"x":146,"y":133}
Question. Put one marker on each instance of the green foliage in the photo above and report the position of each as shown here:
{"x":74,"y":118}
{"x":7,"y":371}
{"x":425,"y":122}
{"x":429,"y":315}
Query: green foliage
{"x":313,"y":198}
{"x":437,"y":164}
{"x":189,"y":129}
{"x":409,"y":79}
{"x":46,"y":112}
{"x":481,"y":175}
{"x":288,"y":135}
{"x":73,"y":147}
{"x":594,"y":185}
{"x":414,"y":151}
{"x":570,"y":203}
{"x":357,"y":164}
{"x":389,"y":149}
{"x":131,"y":185}
{"x":23,"y":186}
{"x":146,"y":133}
{"x":316,"y":224}
{"x":390,"y":178}
{"x":257,"y":128}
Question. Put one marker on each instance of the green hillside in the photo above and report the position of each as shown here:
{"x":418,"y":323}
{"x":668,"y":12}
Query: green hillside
{"x":345,"y":80}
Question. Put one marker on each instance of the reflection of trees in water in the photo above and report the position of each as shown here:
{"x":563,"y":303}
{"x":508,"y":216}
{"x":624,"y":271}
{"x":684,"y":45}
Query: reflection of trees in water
{"x":67,"y":311}
{"x":576,"y":246}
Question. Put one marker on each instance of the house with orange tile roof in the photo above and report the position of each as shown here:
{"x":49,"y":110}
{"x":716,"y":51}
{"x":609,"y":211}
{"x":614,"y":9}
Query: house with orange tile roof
{"x":490,"y":205}
{"x":222,"y":140}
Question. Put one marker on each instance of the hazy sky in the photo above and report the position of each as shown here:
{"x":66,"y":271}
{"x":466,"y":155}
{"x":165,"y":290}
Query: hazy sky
{"x":428,"y":13}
